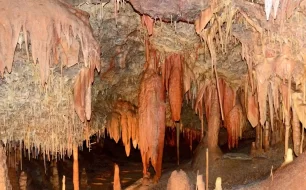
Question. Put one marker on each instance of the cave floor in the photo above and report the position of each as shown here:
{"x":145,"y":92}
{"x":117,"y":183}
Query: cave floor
{"x":235,"y":168}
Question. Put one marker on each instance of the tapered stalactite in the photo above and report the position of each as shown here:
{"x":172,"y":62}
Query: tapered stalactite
{"x":296,"y":133}
{"x":4,"y":179}
{"x":76,"y":185}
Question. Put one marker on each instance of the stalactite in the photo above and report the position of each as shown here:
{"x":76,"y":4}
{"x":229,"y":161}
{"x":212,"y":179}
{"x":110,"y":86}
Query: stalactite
{"x":296,"y":133}
{"x":204,"y":18}
{"x":148,"y":22}
{"x":135,"y":132}
{"x":123,"y":123}
{"x":172,"y":76}
{"x":234,"y":123}
{"x":219,"y":93}
{"x":271,"y":110}
{"x":199,"y":99}
{"x":188,"y":78}
{"x":82,"y":94}
{"x":113,"y":126}
{"x":263,"y":72}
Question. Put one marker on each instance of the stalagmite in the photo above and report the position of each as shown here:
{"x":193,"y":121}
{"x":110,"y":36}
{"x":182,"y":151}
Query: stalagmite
{"x":288,"y":157}
{"x":296,"y":133}
{"x":179,"y":181}
{"x":4,"y":179}
{"x":117,"y":185}
{"x":23,"y":181}
{"x":200,"y":185}
{"x":207,"y":169}
{"x":64,"y":183}
{"x":258,"y":141}
{"x":84,"y":181}
{"x":287,"y":126}
{"x":302,"y":140}
{"x":266,"y":137}
{"x":178,"y":143}
{"x":76,"y":184}
{"x":218,"y":185}
{"x":54,"y":178}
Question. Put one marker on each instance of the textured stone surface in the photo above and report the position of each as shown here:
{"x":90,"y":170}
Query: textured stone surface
{"x":186,"y":10}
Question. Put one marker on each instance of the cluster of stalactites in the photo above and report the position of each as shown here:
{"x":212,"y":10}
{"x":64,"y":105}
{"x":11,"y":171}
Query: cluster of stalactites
{"x":285,"y":7}
{"x":56,"y":36}
{"x":190,"y":135}
{"x":234,"y":120}
{"x":276,"y":90}
{"x":172,"y":77}
{"x":123,"y":123}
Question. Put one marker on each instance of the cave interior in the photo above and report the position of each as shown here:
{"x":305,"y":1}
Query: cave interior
{"x":152,"y":94}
